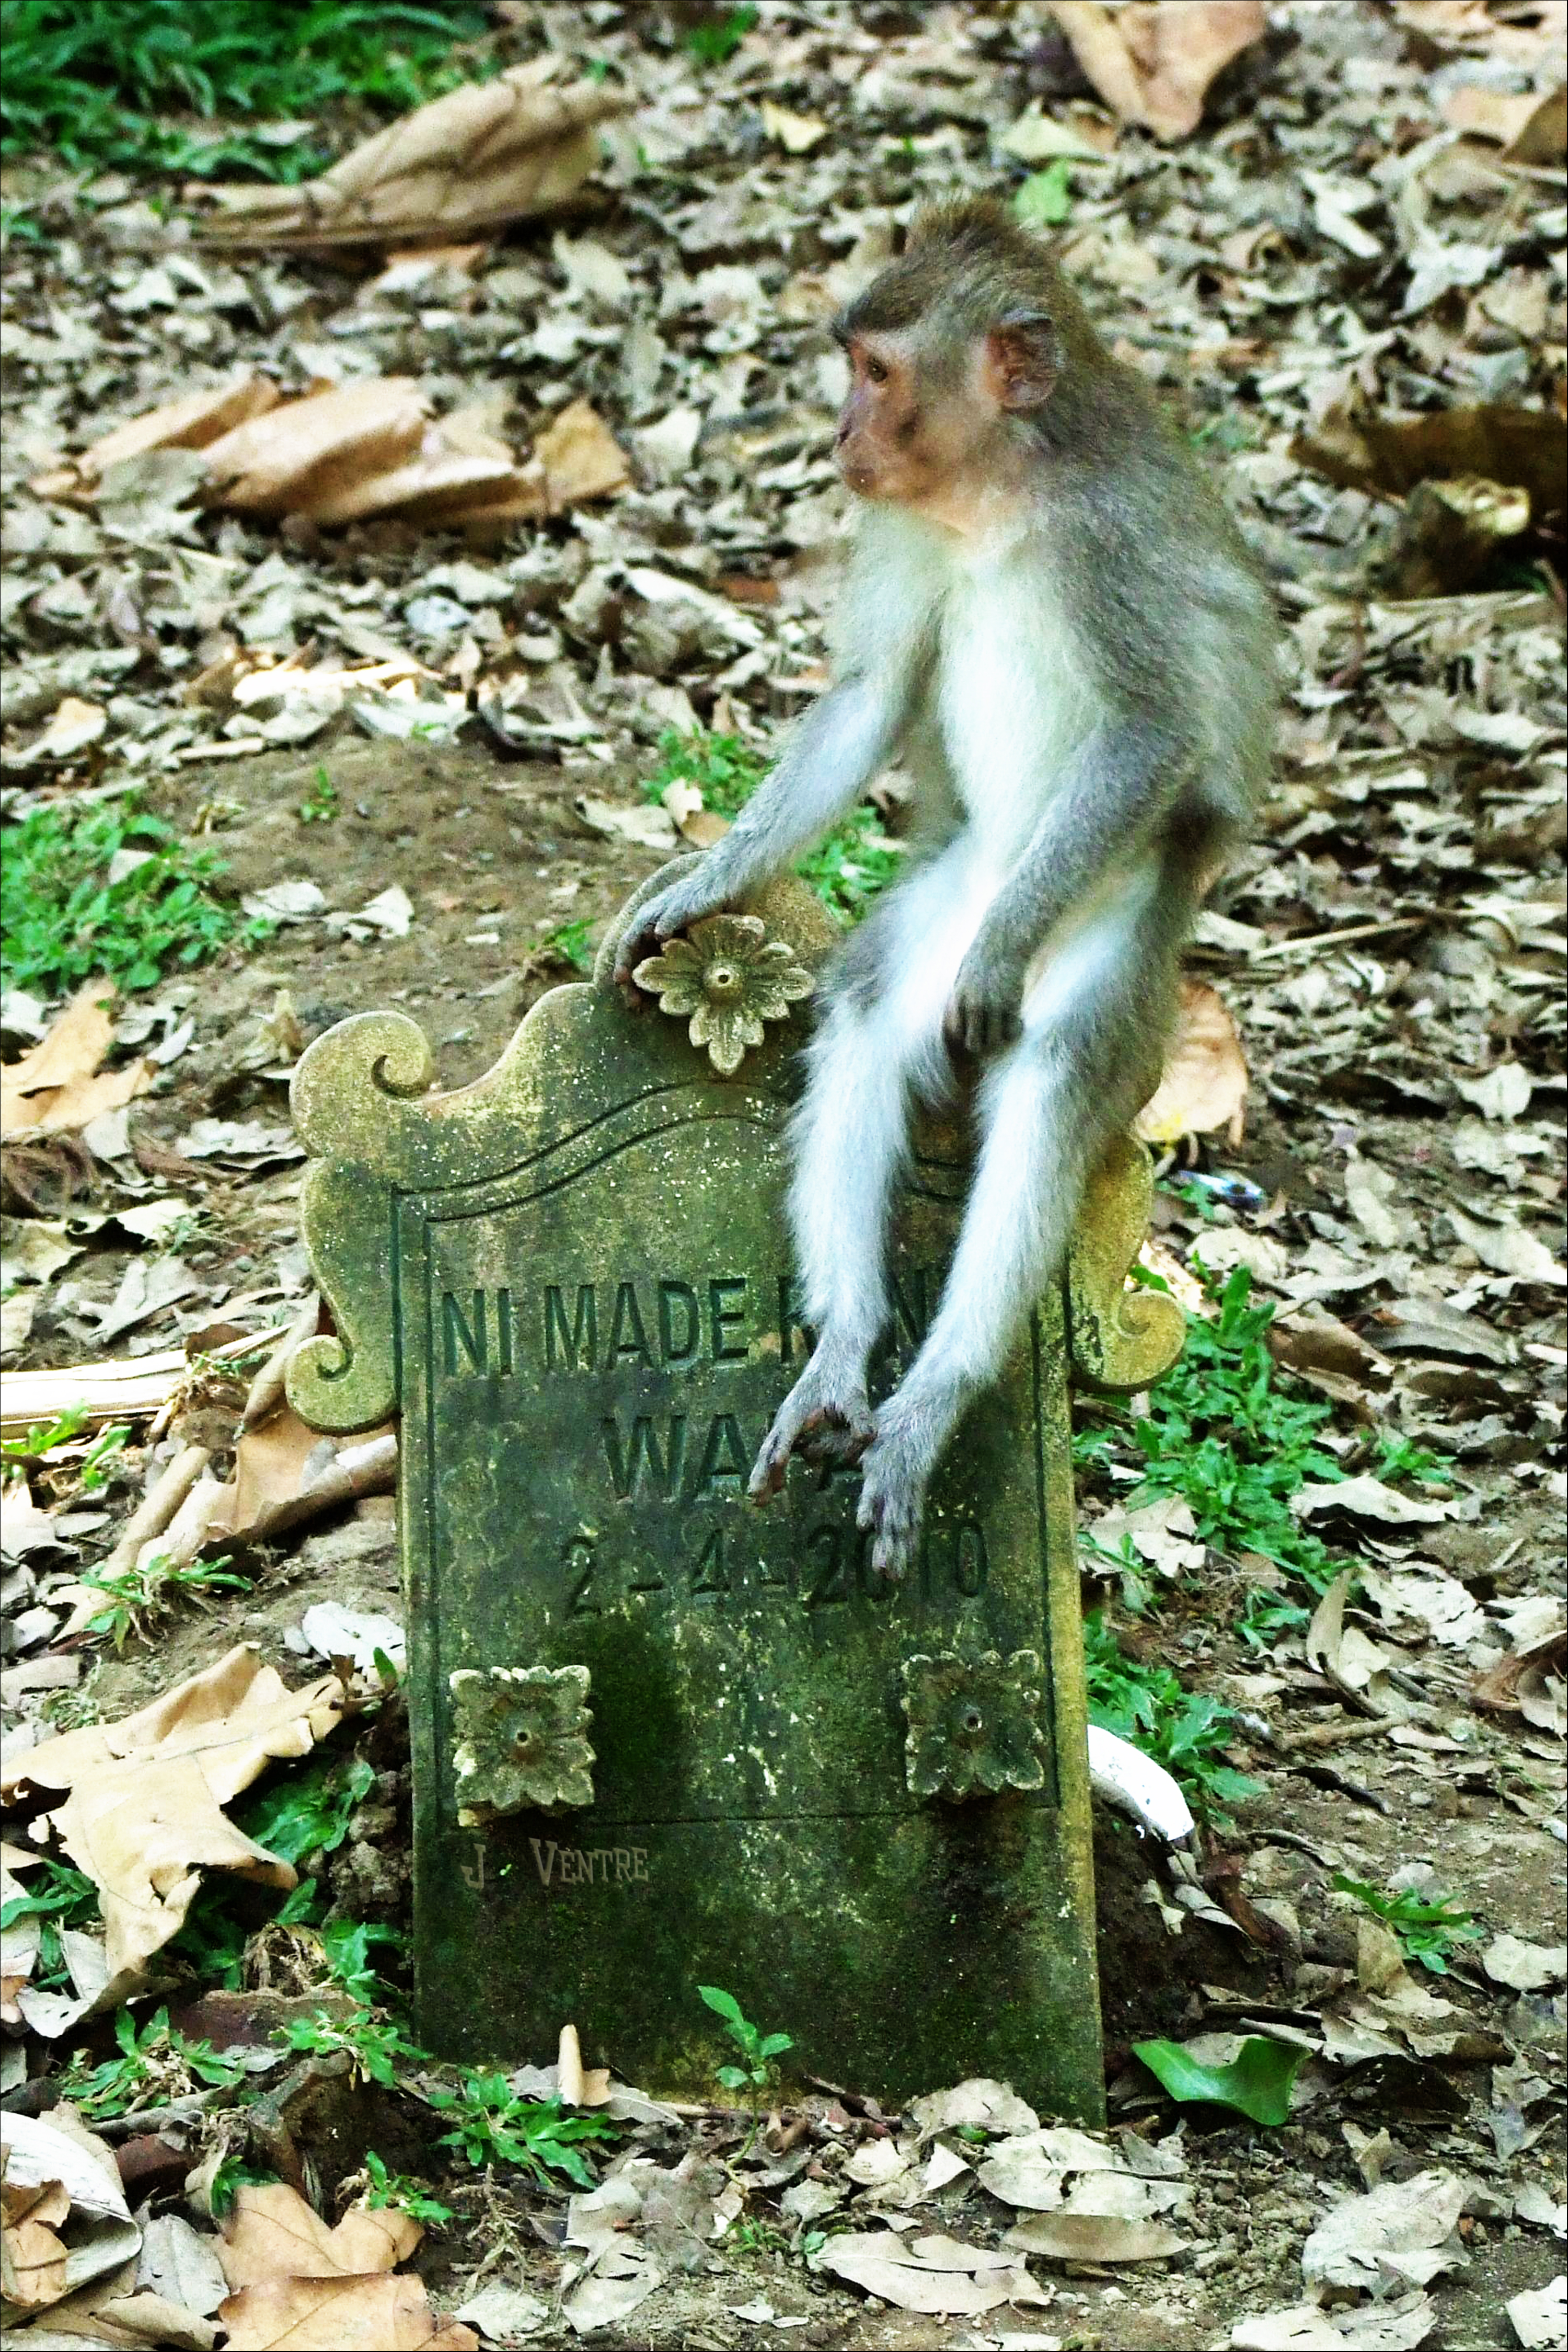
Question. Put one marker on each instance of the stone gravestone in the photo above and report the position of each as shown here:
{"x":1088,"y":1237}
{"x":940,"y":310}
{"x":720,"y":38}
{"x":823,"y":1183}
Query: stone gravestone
{"x":662,"y":1738}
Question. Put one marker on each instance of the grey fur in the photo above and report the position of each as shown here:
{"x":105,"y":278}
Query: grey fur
{"x":1117,"y":780}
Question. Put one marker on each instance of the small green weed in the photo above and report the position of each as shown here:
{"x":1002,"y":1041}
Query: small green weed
{"x":375,"y":2046}
{"x":846,"y":870}
{"x":1046,"y":197}
{"x":57,"y":1896}
{"x":310,"y":1813}
{"x":491,"y":2125}
{"x":757,"y":2072}
{"x":566,"y":948}
{"x":1399,"y":1456}
{"x":45,"y":1437}
{"x":346,"y":1945}
{"x":1428,"y":1931}
{"x":1231,"y":1435}
{"x":134,"y":1596}
{"x":233,"y":2174}
{"x":98,"y":80}
{"x":153,"y":2066}
{"x":62,"y":921}
{"x":713,"y":43}
{"x":1184,"y":1731}
{"x":1225,"y":434}
{"x":385,"y":2189}
{"x":320,"y":806}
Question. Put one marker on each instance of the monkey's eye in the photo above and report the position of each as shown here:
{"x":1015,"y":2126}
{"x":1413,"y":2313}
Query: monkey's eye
{"x":877,"y":371}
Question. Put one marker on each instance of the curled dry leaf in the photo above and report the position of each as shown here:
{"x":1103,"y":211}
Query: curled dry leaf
{"x":67,"y":2221}
{"x":143,"y":1814}
{"x":58,"y":1085}
{"x":935,"y":2273}
{"x":1386,"y":456}
{"x":1529,"y":129}
{"x":302,"y":455}
{"x":192,"y":421}
{"x":1403,"y":2230}
{"x":1154,"y":60}
{"x":1204,"y":1084}
{"x":484,"y":154}
{"x":344,"y":453}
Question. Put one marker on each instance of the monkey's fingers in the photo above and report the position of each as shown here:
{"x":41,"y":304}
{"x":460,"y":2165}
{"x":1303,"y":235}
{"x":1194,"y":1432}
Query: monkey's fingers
{"x":767,"y":1476}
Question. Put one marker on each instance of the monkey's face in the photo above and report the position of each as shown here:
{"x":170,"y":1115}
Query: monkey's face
{"x":906,"y":432}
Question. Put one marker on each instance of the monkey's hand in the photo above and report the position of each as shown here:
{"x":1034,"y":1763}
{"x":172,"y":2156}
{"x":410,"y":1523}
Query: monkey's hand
{"x":985,"y":1013}
{"x":684,"y":901}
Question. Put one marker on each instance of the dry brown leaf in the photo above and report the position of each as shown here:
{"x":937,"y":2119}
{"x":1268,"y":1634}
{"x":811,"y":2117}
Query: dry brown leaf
{"x":1152,"y":61}
{"x":32,"y":2254}
{"x":1523,"y":449}
{"x":435,"y":484}
{"x":1204,"y":1084}
{"x":575,"y":459}
{"x":1448,"y":536}
{"x":1528,"y":128}
{"x":57,"y":1085}
{"x":347,"y":2315}
{"x":306,"y":452}
{"x":484,"y":154}
{"x":272,"y":2233}
{"x":934,"y":2273}
{"x":268,"y":1469}
{"x":581,"y":458}
{"x":144,"y":1816}
{"x":74,"y":726}
{"x":192,"y":421}
{"x":348,"y":452}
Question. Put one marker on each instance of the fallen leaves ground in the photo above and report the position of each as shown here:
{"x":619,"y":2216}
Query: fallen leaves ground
{"x":422,"y":755}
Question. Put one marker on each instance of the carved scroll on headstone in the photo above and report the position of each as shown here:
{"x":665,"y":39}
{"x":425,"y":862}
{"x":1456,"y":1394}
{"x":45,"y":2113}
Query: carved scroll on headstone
{"x":661,"y":1739}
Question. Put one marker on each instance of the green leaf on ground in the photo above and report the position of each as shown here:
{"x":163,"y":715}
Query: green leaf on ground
{"x":1255,"y":2083}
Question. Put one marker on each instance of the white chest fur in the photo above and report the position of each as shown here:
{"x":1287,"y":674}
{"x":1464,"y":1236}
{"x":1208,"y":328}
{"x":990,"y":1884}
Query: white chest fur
{"x":1011,"y":701}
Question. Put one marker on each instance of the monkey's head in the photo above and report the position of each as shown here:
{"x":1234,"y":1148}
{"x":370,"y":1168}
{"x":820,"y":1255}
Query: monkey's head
{"x":955,"y":351}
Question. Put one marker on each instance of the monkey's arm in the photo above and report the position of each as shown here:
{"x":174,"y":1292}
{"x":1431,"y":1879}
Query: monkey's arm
{"x":831,"y":756}
{"x":1105,"y":809}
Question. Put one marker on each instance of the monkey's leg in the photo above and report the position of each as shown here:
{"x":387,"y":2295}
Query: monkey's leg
{"x":850,"y":1137}
{"x":1088,"y":1057}
{"x":880,"y":1040}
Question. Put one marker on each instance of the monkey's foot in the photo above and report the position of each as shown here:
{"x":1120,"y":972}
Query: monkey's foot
{"x":897,"y":1472}
{"x":826,"y":1417}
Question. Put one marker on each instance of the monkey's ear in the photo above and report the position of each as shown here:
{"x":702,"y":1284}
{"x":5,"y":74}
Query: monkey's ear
{"x":1021,"y":359}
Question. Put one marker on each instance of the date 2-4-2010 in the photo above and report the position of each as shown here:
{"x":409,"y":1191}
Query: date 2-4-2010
{"x":833,"y":1569}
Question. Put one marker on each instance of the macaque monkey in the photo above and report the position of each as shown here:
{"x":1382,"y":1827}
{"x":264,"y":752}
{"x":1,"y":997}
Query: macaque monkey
{"x":1052,"y":624}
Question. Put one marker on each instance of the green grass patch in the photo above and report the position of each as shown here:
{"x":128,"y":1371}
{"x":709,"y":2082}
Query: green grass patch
{"x":57,"y":1896}
{"x":1236,"y":1439}
{"x":95,"y":1466}
{"x":716,"y":38}
{"x":1429,"y":1930}
{"x":1186,"y":1731}
{"x":62,"y":921}
{"x":846,"y":871}
{"x":157,"y":2065}
{"x":95,"y":80}
{"x":134,"y":1597}
{"x":491,"y":2125}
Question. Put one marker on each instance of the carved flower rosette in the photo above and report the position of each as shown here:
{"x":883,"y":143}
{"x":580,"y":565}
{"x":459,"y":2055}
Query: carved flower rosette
{"x":520,"y":1742}
{"x":974,"y":1724}
{"x":726,"y":977}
